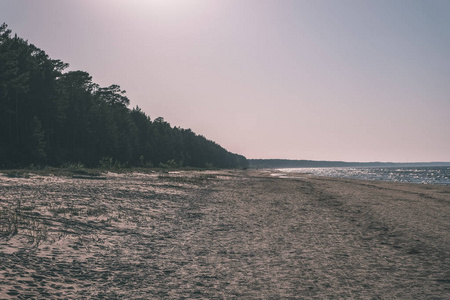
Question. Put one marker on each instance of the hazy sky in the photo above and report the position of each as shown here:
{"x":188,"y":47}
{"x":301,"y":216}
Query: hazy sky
{"x":324,"y":80}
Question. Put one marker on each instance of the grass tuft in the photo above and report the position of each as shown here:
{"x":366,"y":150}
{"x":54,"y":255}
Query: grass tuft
{"x":23,"y":220}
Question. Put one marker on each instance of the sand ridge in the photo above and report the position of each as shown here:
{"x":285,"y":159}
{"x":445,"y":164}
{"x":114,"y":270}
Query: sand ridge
{"x":222,"y":234}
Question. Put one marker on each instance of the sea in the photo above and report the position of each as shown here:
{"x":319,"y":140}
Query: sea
{"x":425,"y":175}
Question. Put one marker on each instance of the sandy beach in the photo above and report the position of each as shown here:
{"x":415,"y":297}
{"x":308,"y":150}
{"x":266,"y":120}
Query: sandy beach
{"x":221,"y":235}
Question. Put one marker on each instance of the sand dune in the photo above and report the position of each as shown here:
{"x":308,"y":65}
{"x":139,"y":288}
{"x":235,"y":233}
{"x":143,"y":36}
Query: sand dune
{"x":222,"y":234}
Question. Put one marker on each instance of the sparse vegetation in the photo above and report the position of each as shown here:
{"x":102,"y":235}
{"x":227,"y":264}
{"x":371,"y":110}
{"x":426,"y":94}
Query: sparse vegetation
{"x":19,"y":219}
{"x":198,"y":179}
{"x":75,"y":238}
{"x":17,"y":174}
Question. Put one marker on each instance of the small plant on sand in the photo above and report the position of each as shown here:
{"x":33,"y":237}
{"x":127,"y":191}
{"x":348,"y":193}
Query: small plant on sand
{"x":72,"y":166}
{"x":108,"y":163}
{"x":198,"y":179}
{"x":70,"y":210}
{"x":17,"y":174}
{"x":21,"y":220}
{"x":79,"y":169}
{"x":95,"y":211}
{"x":170,"y":164}
{"x":8,"y":222}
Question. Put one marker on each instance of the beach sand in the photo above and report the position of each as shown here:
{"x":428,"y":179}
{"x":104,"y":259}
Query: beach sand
{"x":222,"y":234}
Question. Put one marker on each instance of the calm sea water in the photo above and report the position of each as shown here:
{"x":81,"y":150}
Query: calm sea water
{"x":427,"y":175}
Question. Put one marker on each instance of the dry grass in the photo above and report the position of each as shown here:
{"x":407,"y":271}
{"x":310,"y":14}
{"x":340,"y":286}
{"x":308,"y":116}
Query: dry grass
{"x":19,"y":219}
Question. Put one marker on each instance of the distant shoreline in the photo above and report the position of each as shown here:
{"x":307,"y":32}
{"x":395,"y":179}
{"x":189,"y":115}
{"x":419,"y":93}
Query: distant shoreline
{"x":288,"y":163}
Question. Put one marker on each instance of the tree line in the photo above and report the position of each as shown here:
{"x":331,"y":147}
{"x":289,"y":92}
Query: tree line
{"x":52,"y":117}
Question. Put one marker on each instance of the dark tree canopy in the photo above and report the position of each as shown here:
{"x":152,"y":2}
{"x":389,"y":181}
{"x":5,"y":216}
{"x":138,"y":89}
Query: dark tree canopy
{"x":51,"y":117}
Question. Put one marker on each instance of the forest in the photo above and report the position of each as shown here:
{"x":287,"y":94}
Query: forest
{"x":50,"y":117}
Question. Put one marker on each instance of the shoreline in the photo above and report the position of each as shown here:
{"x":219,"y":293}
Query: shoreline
{"x":223,"y":234}
{"x":421,"y":175}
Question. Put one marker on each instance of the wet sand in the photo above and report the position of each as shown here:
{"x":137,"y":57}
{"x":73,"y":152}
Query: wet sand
{"x":222,"y":234}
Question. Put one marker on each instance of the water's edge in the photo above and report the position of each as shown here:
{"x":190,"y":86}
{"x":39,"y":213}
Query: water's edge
{"x":424,"y":175}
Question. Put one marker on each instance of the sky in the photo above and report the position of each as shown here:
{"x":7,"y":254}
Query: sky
{"x":320,"y":80}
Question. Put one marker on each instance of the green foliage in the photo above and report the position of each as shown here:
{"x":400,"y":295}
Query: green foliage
{"x":106,"y":163}
{"x":109,"y":163}
{"x":17,"y":174}
{"x":170,"y":164}
{"x":38,"y":142}
{"x":73,"y":167}
{"x":52,"y":117}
